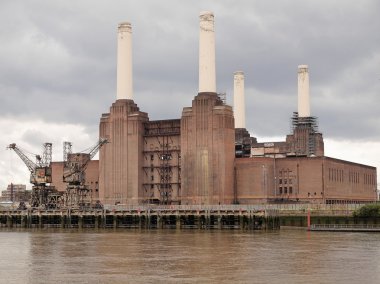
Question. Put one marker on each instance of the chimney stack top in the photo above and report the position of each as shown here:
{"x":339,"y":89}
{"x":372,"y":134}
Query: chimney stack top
{"x":125,"y":26}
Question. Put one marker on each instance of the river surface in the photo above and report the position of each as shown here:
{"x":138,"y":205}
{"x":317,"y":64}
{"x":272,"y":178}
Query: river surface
{"x":187,"y":256}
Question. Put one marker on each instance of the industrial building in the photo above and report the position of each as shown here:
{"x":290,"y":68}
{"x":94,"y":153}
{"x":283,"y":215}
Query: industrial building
{"x":207,"y":156}
{"x":15,"y":193}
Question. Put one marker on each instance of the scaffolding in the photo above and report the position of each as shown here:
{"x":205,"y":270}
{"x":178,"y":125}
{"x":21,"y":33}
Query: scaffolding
{"x":163,"y":159}
{"x":223,"y":97}
{"x":305,"y":130}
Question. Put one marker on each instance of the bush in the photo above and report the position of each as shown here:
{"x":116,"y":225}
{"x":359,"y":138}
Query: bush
{"x":369,"y":210}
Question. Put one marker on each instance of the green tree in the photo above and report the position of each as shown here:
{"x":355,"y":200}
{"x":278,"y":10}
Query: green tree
{"x":369,"y":210}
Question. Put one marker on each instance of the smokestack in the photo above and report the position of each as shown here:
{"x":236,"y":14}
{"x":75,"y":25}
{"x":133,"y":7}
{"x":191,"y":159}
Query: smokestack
{"x":303,"y":91}
{"x":207,"y":82}
{"x":239,"y":103}
{"x":124,"y":61}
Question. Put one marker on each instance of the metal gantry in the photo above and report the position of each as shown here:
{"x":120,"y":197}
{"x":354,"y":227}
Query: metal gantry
{"x":43,"y":195}
{"x":78,"y":194}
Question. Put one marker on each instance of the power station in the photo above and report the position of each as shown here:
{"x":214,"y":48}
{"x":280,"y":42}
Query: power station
{"x":207,"y":156}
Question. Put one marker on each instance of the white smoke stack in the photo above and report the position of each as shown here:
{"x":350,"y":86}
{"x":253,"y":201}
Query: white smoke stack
{"x":124,"y":61}
{"x":239,"y":101}
{"x":207,"y":81}
{"x":303,"y":91}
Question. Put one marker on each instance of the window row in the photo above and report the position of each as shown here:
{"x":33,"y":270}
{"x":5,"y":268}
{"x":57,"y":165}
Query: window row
{"x":336,"y":175}
{"x":285,"y":190}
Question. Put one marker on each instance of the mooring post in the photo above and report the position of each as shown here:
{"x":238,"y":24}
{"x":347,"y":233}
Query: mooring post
{"x":9,"y":221}
{"x":29,"y":219}
{"x":96,"y":225}
{"x":220,"y":218}
{"x":147,"y":221}
{"x":23,"y":221}
{"x":104,"y":218}
{"x":241,"y":222}
{"x":114,"y":221}
{"x":199,"y":220}
{"x":62,"y":220}
{"x":208,"y":219}
{"x":68,"y":218}
{"x":39,"y":219}
{"x":159,"y":222}
{"x":80,"y":221}
{"x":178,"y":222}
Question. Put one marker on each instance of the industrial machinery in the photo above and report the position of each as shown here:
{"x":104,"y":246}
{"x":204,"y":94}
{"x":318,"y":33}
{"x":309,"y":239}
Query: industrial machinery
{"x":78,"y":194}
{"x":43,"y":195}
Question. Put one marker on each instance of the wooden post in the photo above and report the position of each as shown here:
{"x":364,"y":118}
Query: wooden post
{"x":178,"y":222}
{"x":241,"y":222}
{"x":80,"y":221}
{"x":114,"y":221}
{"x":220,"y":217}
{"x":9,"y":221}
{"x":96,"y":225}
{"x":23,"y":221}
{"x":62,"y":220}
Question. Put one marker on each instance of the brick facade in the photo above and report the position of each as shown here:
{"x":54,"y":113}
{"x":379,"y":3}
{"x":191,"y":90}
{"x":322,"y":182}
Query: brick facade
{"x":303,"y":179}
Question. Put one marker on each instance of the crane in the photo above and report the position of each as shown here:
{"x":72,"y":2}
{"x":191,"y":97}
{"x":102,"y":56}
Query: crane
{"x":43,"y":195}
{"x":74,"y":167}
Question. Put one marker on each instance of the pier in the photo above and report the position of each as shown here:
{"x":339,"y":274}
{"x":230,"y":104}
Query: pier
{"x":144,"y":217}
{"x":345,"y":227}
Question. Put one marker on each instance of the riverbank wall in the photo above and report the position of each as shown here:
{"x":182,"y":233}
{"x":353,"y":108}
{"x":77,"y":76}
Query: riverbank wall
{"x":144,"y":217}
{"x":243,"y":217}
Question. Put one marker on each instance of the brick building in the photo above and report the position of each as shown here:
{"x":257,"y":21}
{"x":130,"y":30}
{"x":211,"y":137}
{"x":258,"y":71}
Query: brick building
{"x":15,"y":193}
{"x":91,"y":172}
{"x":205,"y":158}
{"x":303,"y":179}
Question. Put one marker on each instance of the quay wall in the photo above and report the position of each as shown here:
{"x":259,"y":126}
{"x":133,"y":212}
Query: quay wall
{"x":140,"y":217}
{"x":248,"y":217}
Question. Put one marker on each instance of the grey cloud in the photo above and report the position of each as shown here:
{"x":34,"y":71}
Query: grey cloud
{"x":59,"y":59}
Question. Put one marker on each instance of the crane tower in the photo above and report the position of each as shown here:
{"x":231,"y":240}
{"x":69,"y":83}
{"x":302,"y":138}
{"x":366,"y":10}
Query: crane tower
{"x":43,"y":195}
{"x":78,"y":193}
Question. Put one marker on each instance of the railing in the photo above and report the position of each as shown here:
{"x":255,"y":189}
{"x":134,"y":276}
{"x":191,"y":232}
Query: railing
{"x":345,"y":226}
{"x":237,"y":207}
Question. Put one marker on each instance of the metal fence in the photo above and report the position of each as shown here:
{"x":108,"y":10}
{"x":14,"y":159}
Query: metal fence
{"x":238,"y":207}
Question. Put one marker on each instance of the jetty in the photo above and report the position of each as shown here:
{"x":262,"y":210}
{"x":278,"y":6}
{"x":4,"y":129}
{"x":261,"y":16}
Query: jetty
{"x":145,"y":217}
{"x":345,"y":227}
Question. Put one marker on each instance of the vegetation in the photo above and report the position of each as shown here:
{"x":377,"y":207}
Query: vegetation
{"x":369,"y":210}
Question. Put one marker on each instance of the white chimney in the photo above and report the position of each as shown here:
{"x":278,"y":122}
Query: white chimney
{"x":207,"y":81}
{"x":303,"y":91}
{"x":124,"y":62}
{"x":239,"y":102}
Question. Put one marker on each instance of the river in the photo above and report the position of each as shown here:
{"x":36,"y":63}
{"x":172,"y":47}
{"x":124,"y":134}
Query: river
{"x":187,"y":256}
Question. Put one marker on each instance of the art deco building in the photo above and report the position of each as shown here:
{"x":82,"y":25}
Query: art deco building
{"x":207,"y":156}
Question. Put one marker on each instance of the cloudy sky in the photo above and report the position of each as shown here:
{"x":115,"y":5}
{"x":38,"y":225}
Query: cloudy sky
{"x":58,"y":68}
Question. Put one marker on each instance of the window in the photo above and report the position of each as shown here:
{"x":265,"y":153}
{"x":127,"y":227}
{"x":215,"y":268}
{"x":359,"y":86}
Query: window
{"x":151,"y":157}
{"x":290,"y":190}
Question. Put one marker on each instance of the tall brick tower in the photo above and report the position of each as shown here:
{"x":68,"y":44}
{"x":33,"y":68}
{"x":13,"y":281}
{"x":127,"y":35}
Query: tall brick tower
{"x":207,"y":133}
{"x":120,"y":161}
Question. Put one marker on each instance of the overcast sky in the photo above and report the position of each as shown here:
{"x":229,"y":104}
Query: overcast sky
{"x":58,"y":68}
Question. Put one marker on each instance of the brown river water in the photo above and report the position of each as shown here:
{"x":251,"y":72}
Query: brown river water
{"x":188,"y":256}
